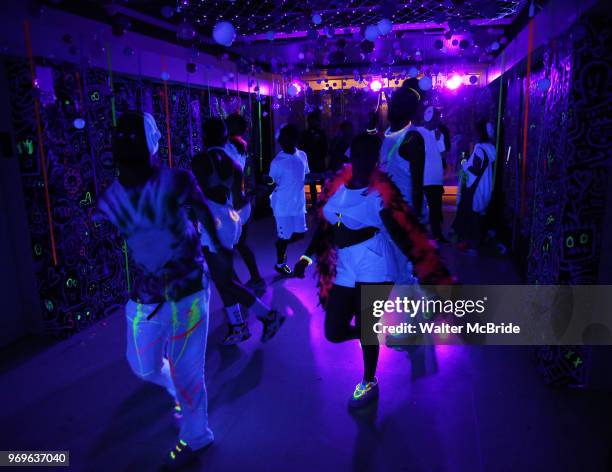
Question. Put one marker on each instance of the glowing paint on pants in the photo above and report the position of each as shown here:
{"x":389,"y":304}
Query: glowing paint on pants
{"x":192,"y":323}
{"x":135,"y":322}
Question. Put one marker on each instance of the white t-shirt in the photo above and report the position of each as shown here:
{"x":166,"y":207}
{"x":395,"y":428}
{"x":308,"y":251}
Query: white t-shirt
{"x":288,"y":172}
{"x":355,"y":208}
{"x":239,"y":159}
{"x":370,"y":260}
{"x":377,"y":259}
{"x":434,"y":172}
{"x":482,"y":194}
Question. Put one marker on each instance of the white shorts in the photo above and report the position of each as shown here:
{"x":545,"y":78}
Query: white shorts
{"x":286,"y":226}
{"x":364,"y":262}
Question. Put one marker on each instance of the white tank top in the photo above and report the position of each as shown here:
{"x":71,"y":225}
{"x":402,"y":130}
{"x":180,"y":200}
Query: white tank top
{"x":355,"y":208}
{"x":395,"y":165}
{"x":228,"y":224}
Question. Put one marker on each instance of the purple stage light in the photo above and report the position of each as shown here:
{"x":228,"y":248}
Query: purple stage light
{"x":376,"y":85}
{"x":454,"y":82}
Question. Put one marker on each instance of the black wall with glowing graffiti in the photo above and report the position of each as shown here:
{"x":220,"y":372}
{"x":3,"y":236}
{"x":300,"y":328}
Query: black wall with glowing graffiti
{"x":89,"y":280}
{"x":556,"y":218}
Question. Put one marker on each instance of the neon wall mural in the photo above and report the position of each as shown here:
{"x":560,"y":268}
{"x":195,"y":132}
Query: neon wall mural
{"x":559,"y":184}
{"x":83,"y":274}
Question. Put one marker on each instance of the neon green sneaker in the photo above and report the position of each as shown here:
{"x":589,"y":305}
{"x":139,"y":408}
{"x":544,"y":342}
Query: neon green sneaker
{"x":364,"y":394}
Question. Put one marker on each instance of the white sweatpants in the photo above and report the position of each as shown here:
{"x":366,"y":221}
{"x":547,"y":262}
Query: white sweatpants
{"x":169,"y":350}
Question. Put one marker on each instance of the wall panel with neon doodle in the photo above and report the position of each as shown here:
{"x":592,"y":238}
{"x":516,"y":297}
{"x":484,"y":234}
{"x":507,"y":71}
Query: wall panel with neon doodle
{"x":91,"y":276}
{"x":555,"y":207}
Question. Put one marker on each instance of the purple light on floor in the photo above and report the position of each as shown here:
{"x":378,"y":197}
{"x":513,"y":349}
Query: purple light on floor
{"x":376,"y":85}
{"x":454,"y":82}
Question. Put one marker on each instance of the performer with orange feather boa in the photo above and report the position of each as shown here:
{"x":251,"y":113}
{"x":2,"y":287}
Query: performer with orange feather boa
{"x":364,"y":221}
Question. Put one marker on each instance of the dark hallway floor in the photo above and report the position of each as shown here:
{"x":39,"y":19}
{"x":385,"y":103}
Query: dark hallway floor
{"x":282,"y":406}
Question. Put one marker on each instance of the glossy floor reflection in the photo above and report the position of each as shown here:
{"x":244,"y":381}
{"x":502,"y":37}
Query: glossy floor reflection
{"x":282,"y":406}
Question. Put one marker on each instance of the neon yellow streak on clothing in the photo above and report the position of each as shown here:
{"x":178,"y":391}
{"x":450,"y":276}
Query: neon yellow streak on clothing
{"x":194,"y":317}
{"x":135,"y":322}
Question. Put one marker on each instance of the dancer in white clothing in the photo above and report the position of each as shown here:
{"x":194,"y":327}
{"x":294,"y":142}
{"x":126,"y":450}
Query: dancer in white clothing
{"x":237,"y":149}
{"x":477,"y":190}
{"x":221,"y":183}
{"x":433,"y":176}
{"x":288,"y":171}
{"x":361,"y":222}
{"x":167,"y":311}
{"x":402,"y":155}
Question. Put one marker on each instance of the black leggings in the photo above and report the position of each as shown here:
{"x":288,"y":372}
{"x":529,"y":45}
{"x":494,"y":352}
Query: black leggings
{"x":247,"y":254}
{"x":221,"y":268}
{"x":344,"y":304}
{"x":282,"y":244}
{"x":434,"y":201}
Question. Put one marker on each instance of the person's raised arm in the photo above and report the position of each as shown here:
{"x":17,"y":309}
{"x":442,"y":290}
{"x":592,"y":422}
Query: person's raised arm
{"x":413,"y":150}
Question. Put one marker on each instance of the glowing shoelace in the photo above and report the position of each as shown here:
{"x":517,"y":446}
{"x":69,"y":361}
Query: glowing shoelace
{"x":360,"y":391}
{"x":178,"y":448}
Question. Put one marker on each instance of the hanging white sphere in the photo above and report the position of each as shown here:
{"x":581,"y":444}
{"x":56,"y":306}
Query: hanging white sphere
{"x":384,"y":26}
{"x":413,"y":72}
{"x":425,"y":83}
{"x":371,"y":33}
{"x":316,"y":19}
{"x":292,"y":91}
{"x":224,"y":33}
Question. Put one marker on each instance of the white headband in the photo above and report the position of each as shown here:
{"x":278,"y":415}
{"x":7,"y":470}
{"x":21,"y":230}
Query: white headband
{"x":152,"y":133}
